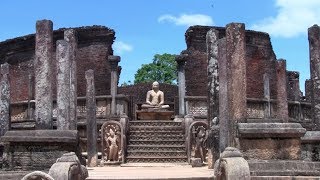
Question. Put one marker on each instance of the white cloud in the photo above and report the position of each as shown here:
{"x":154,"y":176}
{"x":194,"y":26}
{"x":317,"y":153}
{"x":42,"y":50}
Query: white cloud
{"x":187,"y":19}
{"x":294,"y":17}
{"x":120,"y":47}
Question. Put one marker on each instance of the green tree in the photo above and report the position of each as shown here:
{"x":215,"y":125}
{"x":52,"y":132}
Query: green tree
{"x":162,"y":69}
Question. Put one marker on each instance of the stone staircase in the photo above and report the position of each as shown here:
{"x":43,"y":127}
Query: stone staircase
{"x":156,"y":141}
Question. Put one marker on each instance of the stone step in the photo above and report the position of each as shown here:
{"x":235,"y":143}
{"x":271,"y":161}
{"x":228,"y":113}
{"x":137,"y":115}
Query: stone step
{"x":157,"y":128}
{"x":156,"y":159}
{"x":157,"y":142}
{"x":156,"y":137}
{"x":148,"y":171}
{"x":154,"y":123}
{"x":156,"y":132}
{"x":158,"y":153}
{"x":156,"y":147}
{"x":157,"y":165}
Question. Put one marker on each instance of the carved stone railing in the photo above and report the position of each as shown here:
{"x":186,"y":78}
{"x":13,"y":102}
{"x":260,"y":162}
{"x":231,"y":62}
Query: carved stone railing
{"x":197,"y":106}
{"x":261,"y":108}
{"x":103,"y":104}
{"x":299,"y":111}
{"x":23,"y":111}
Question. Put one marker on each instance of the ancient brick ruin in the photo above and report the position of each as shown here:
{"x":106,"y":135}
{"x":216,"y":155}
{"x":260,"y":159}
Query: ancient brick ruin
{"x":235,"y":103}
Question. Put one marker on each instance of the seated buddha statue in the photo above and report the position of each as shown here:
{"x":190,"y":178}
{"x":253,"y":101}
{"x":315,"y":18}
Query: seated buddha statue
{"x":155,"y":99}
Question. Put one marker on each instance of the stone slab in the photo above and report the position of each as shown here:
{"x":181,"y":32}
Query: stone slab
{"x":196,"y":162}
{"x":172,"y":173}
{"x":155,"y":115}
{"x":13,"y":175}
{"x":68,"y":136}
{"x":276,"y":130}
{"x":283,"y":168}
{"x":311,"y":137}
{"x":271,"y":148}
{"x":285,"y":177}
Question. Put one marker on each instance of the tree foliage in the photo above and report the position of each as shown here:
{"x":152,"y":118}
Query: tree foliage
{"x":162,"y":69}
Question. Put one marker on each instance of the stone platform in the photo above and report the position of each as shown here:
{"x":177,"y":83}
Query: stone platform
{"x":154,"y":172}
{"x":154,"y":115}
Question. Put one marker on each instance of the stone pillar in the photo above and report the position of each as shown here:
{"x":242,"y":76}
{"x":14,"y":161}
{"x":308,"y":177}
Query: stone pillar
{"x":91,"y":120}
{"x":71,"y":37}
{"x":4,"y":99}
{"x":308,"y":89}
{"x":114,"y":60}
{"x":63,"y":85}
{"x":224,"y":122}
{"x":213,"y":92}
{"x":293,"y":86}
{"x":213,"y":76}
{"x":181,"y":61}
{"x":266,"y":92}
{"x":237,"y":85}
{"x":30,"y":88}
{"x":314,"y":50}
{"x":43,"y":74}
{"x":282,"y":102}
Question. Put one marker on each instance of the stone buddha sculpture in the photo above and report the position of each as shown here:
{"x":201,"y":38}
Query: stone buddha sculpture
{"x":155,"y":99}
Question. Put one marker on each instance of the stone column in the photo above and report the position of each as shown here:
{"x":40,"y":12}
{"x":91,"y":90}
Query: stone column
{"x":237,"y":85}
{"x":308,"y":89}
{"x":181,"y":61}
{"x":4,"y":99}
{"x":63,"y":85}
{"x":114,"y":60}
{"x":224,"y":121}
{"x":30,"y":88}
{"x":266,"y":92}
{"x":213,"y":76}
{"x":71,"y":37}
{"x":43,"y":74}
{"x":314,"y":50}
{"x":91,"y":120}
{"x":282,"y":102}
{"x":293,"y":86}
{"x":212,"y":38}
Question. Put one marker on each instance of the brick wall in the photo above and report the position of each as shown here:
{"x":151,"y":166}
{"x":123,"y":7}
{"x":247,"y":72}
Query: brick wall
{"x":259,"y":54}
{"x":94,"y":45}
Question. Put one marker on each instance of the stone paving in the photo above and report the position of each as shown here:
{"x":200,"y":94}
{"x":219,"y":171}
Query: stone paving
{"x":150,"y":172}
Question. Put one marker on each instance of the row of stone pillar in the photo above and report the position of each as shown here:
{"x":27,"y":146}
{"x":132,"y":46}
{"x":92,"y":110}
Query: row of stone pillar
{"x":66,"y":77}
{"x":66,"y":80}
{"x":227,"y":99}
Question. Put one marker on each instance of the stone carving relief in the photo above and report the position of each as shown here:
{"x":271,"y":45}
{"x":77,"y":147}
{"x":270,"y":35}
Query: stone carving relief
{"x":197,"y":108}
{"x":112,"y":142}
{"x":197,"y":141}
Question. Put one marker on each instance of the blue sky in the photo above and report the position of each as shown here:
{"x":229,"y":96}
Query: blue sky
{"x":144,"y":27}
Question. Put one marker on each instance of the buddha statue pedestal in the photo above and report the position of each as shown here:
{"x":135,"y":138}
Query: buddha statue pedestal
{"x":154,"y":107}
{"x":154,"y":114}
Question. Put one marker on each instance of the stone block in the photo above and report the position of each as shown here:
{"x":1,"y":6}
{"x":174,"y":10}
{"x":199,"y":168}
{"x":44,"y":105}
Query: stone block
{"x":37,"y":149}
{"x":283,"y":168}
{"x":267,"y":130}
{"x":196,"y":162}
{"x":271,"y":148}
{"x":311,"y":137}
{"x":155,"y":115}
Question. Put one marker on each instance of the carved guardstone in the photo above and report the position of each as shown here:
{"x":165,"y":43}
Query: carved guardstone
{"x":112,"y":143}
